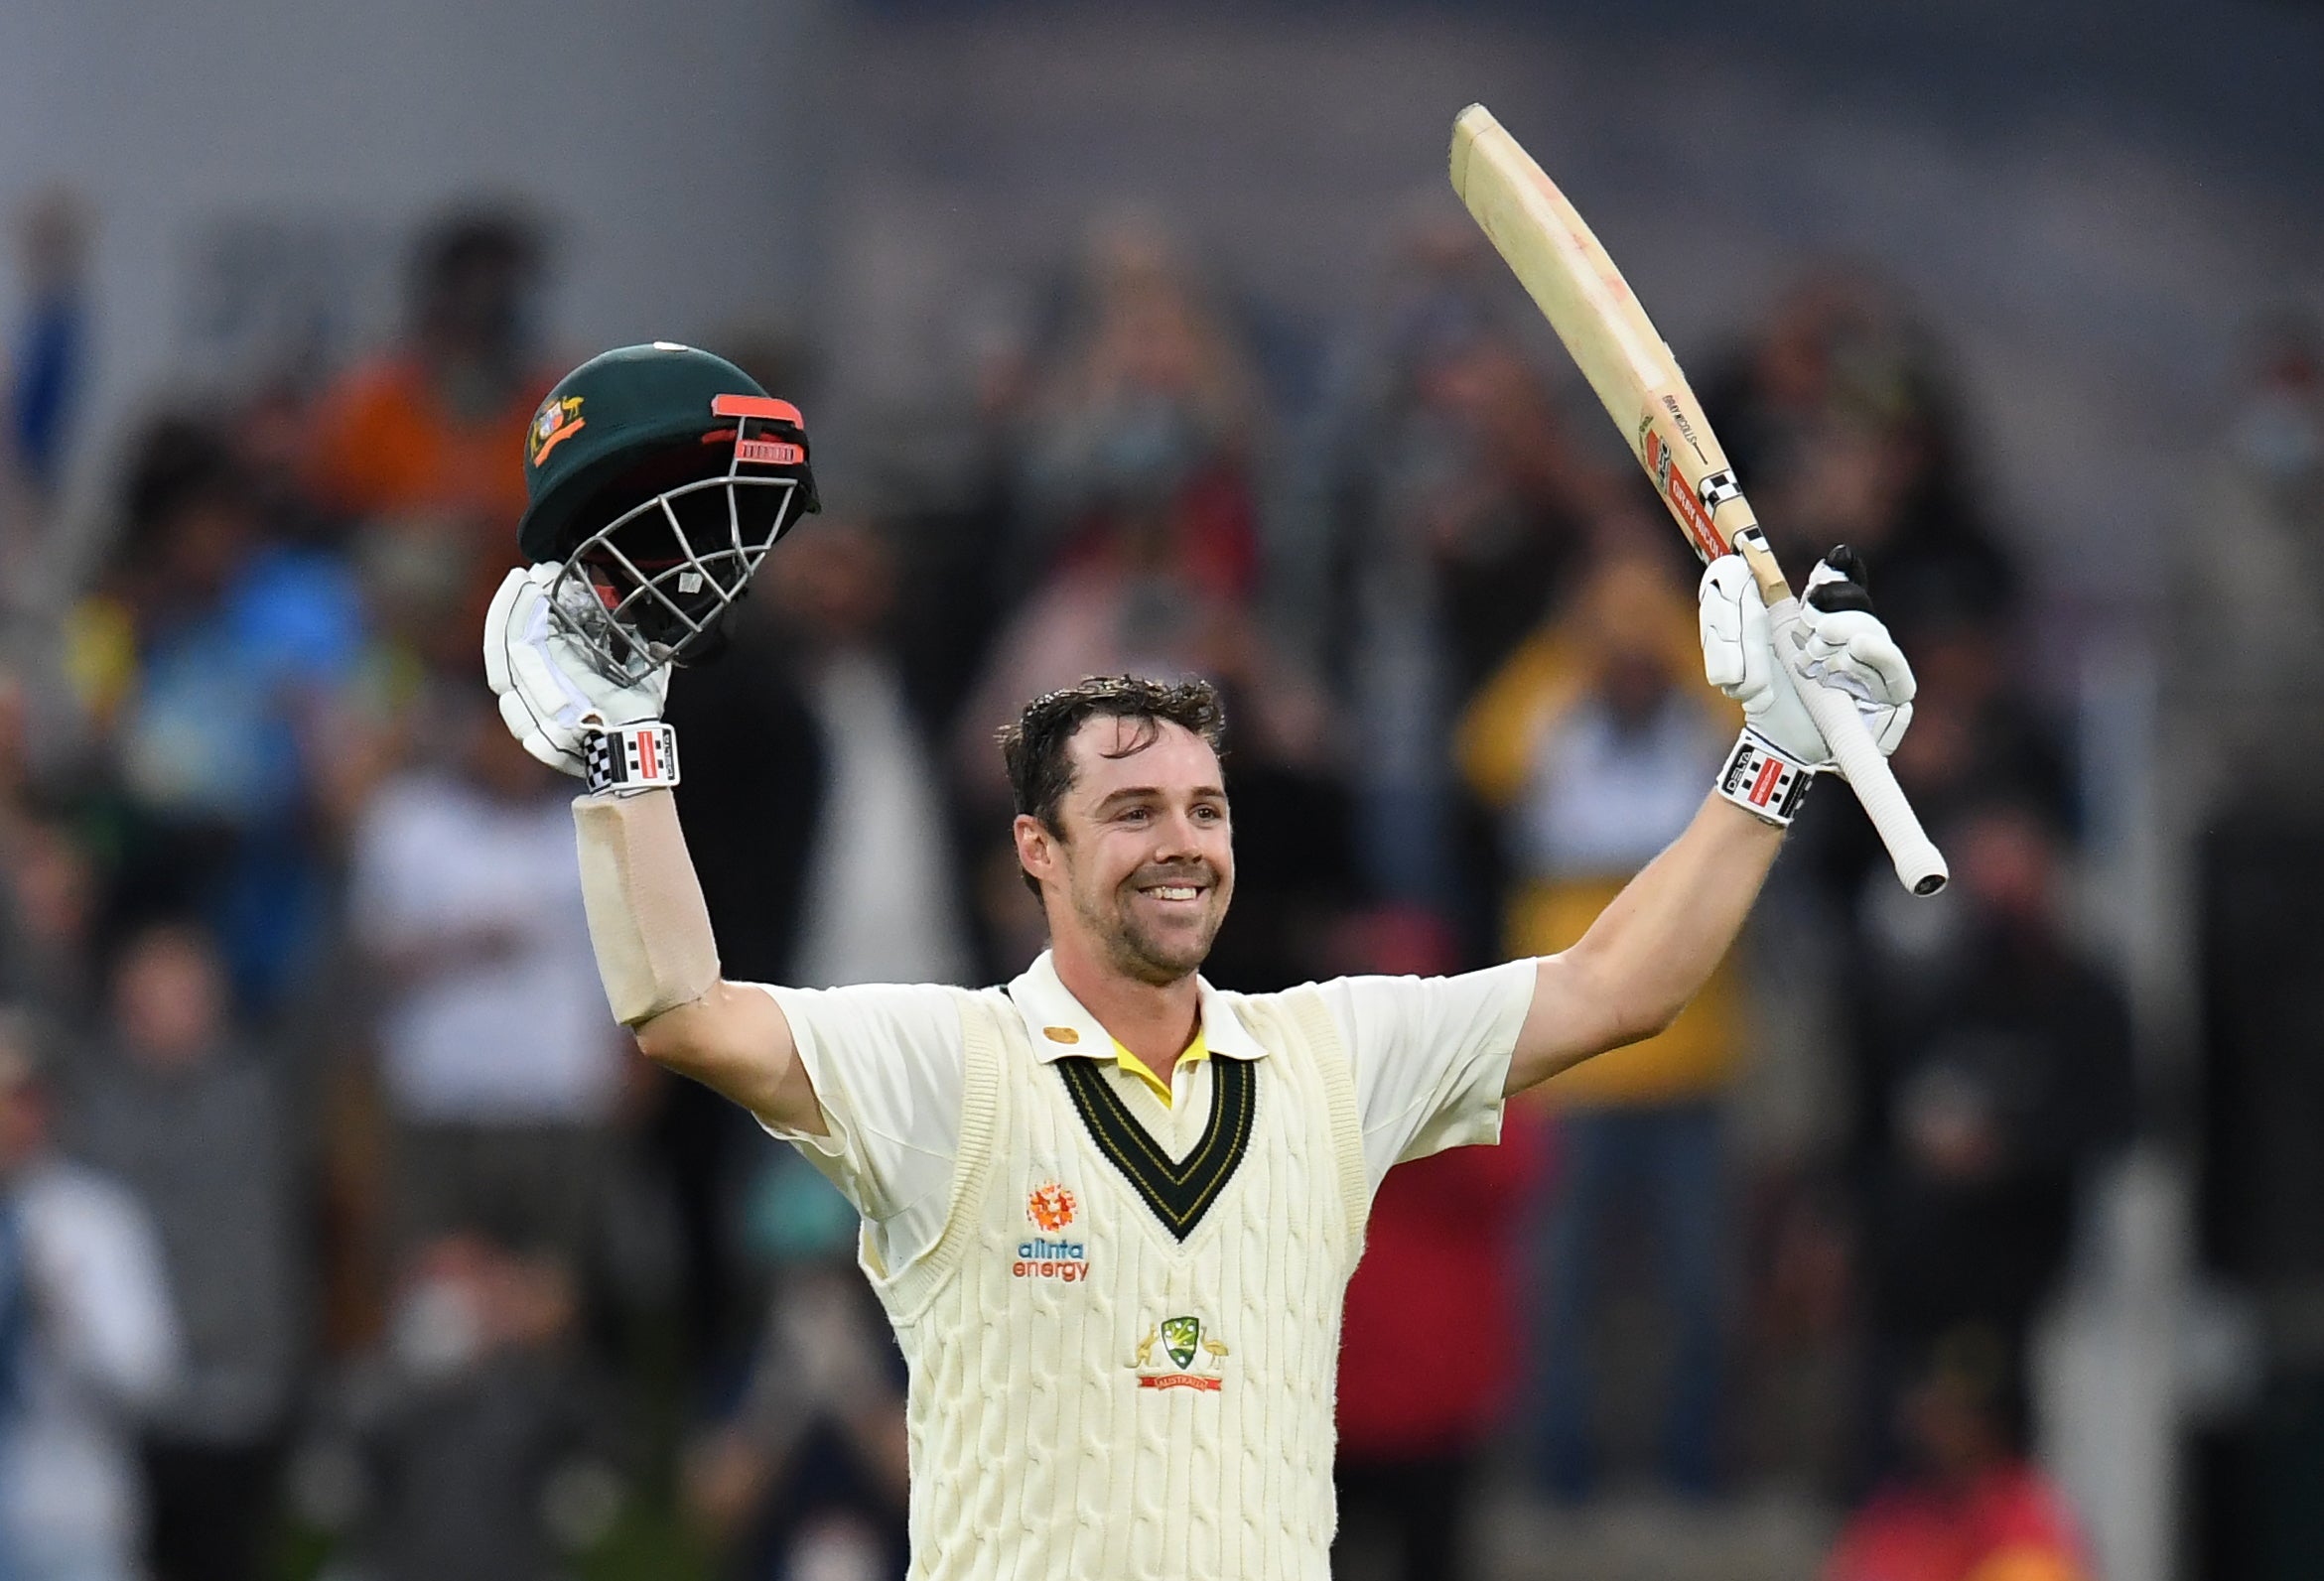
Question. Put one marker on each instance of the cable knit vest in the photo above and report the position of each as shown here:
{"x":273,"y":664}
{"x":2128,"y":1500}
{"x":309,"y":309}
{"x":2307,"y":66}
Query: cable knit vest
{"x":1092,"y":1395}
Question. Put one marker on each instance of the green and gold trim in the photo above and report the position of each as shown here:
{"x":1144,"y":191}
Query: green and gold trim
{"x":1179,"y":1193}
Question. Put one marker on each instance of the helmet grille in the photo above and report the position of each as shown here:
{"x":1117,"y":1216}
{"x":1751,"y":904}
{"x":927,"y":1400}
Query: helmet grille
{"x":677,"y":548}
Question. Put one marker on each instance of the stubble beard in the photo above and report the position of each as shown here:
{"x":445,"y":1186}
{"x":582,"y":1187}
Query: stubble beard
{"x":1137,"y":952}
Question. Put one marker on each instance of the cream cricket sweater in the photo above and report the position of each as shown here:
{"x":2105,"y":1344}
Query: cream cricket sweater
{"x":1124,"y":1364}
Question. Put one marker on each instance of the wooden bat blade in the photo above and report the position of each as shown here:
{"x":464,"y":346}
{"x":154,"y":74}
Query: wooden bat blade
{"x":1573,"y":280}
{"x":1558,"y":262}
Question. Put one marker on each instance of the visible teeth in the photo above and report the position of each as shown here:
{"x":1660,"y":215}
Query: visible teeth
{"x":1175,"y":891}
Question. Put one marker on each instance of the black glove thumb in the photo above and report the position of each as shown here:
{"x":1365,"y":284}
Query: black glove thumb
{"x":1855,"y":594}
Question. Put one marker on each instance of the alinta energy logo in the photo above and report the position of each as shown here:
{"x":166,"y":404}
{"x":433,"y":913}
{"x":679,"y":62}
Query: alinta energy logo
{"x":1051,"y":1209}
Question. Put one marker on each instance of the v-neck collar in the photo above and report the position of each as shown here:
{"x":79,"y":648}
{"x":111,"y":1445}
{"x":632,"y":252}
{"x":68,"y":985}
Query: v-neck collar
{"x":1178,"y":1191}
{"x":1065,"y":1036}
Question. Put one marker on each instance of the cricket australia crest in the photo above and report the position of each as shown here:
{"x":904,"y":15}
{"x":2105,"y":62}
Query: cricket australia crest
{"x":1187,"y":1358}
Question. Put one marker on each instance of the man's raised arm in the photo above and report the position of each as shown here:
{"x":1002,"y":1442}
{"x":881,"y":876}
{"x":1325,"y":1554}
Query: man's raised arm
{"x":1657,"y":943}
{"x":659,"y":963}
{"x":1654,"y":945}
{"x":647,"y":918}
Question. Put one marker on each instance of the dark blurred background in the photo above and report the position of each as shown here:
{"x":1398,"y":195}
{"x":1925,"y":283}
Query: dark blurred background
{"x":1974,"y":1240}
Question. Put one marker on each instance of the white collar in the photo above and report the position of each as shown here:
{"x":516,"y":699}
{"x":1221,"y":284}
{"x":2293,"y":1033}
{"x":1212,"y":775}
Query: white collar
{"x":1058,"y":1024}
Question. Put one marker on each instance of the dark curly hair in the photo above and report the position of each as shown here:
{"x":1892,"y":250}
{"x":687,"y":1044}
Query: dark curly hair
{"x":1039,"y":772}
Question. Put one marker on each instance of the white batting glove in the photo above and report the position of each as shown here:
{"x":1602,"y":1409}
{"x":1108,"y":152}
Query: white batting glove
{"x":553,"y":695}
{"x":1846,"y":647}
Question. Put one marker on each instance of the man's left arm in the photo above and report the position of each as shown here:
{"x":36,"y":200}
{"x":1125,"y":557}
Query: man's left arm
{"x":1647,"y":953}
{"x":1655,"y":944}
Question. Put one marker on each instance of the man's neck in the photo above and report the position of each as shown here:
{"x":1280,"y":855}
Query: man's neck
{"x":1154,"y":1022}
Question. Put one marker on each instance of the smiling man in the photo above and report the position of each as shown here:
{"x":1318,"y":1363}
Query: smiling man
{"x":1110,"y":1209}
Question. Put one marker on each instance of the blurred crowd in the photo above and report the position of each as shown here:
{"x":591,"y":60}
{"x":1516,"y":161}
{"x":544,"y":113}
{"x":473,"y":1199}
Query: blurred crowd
{"x":338,"y":1229}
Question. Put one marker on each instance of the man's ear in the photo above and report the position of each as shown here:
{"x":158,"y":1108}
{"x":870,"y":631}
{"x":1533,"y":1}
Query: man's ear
{"x":1036,"y":846}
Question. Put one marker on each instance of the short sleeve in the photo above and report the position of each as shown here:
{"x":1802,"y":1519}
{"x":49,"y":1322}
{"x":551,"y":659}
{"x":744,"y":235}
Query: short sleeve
{"x":1431,"y":1057}
{"x":886,"y":1062}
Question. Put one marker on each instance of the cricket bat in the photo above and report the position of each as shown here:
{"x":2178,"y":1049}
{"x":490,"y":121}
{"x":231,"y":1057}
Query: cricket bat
{"x":1637,"y":380}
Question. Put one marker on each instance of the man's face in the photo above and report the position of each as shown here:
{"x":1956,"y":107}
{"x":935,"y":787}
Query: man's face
{"x":1142,"y":866}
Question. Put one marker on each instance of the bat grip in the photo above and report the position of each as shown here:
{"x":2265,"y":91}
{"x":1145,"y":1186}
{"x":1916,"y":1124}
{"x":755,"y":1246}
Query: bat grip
{"x":1919,"y":865}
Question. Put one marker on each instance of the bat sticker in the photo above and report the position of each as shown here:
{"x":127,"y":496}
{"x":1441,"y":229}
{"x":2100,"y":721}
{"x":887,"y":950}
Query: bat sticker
{"x":1659,"y":463}
{"x":1693,"y":515}
{"x":1686,"y":429}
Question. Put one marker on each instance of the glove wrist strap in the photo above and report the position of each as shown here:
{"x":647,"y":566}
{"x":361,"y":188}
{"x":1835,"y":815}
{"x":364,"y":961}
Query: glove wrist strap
{"x":1763,"y":780}
{"x":624,"y":759}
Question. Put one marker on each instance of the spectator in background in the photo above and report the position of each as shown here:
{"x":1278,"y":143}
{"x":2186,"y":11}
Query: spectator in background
{"x":1441,"y":288}
{"x":87,"y":1343}
{"x":1987,"y":733}
{"x":426,"y":441}
{"x":2247,"y":614}
{"x":1592,"y":742}
{"x":1968,"y":1505}
{"x":1456,"y":512}
{"x":1137,"y":502}
{"x":186,"y":1115}
{"x":880,"y":902}
{"x":212,"y":652}
{"x":1430,"y":1350}
{"x":49,"y":892}
{"x":1993,"y":1073}
{"x":1845,"y":424}
{"x":498,"y":1062}
{"x":807,"y":1475}
{"x":1151,"y":410}
{"x":51,"y":342}
{"x":1138,"y":498}
{"x":484,"y":1436}
{"x":47,"y":884}
{"x":1128,"y":606}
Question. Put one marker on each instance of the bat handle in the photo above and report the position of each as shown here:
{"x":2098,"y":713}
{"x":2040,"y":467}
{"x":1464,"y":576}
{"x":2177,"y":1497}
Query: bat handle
{"x":1919,"y":864}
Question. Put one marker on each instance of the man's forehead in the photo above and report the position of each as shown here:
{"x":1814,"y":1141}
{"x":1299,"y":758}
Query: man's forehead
{"x":1109,"y":752}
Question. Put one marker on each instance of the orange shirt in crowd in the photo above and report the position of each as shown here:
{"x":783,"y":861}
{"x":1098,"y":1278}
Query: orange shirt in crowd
{"x":386,"y":444}
{"x":2008,"y":1525}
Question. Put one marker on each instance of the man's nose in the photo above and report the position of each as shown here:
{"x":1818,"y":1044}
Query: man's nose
{"x":1179,"y":836}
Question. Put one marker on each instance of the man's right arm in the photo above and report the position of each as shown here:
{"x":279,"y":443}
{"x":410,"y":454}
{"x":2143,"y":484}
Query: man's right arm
{"x":659,"y":963}
{"x":646,"y":917}
{"x":736,"y":1040}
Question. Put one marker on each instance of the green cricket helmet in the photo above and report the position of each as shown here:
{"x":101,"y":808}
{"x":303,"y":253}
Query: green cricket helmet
{"x":659,"y":477}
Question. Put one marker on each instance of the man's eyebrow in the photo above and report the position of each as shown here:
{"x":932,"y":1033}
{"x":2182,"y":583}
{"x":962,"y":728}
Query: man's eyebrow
{"x":1128,"y":792}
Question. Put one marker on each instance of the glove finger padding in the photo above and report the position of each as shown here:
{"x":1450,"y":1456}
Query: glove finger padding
{"x":552,"y":693}
{"x":496,"y":627}
{"x":1734,"y":623}
{"x":1887,"y":727}
{"x":1855,"y":650}
{"x":1738,"y":642}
